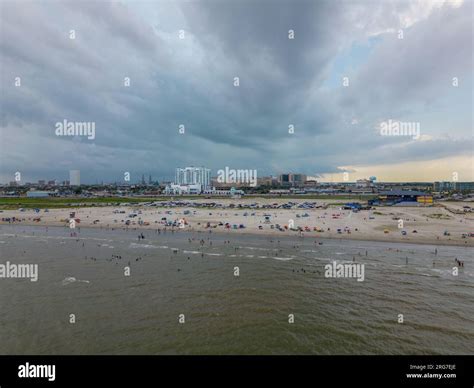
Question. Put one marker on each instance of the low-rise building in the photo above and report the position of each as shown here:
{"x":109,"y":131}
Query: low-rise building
{"x":292,"y":179}
{"x":464,"y":186}
{"x":40,"y":194}
{"x":443,"y":186}
{"x":173,"y":189}
{"x":402,"y":198}
{"x":231,"y":193}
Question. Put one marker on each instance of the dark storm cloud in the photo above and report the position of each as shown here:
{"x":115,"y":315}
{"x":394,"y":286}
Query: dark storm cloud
{"x":190,"y":82}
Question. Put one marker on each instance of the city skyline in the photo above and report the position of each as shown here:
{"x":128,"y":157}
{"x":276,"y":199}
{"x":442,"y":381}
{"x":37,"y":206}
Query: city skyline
{"x":310,"y":88}
{"x":139,"y":179}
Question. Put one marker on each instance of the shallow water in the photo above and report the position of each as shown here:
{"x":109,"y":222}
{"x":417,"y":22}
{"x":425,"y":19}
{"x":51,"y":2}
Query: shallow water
{"x":226,"y":314}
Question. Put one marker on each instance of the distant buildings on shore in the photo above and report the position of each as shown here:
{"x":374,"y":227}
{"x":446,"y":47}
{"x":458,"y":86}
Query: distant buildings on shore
{"x":291,"y":179}
{"x":41,"y":194}
{"x":453,"y":186}
{"x":402,"y":198}
{"x":193,"y":176}
{"x":198,"y":181}
{"x":189,"y":180}
{"x":74,"y":177}
{"x":365,"y":182}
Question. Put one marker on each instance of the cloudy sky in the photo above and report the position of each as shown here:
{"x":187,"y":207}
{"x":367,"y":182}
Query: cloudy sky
{"x":351,"y":66}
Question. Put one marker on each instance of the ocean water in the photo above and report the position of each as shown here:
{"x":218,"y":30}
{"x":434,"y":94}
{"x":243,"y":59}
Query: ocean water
{"x":177,"y":273}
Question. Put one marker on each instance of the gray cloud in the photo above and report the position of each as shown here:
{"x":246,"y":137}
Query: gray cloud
{"x":190,"y":82}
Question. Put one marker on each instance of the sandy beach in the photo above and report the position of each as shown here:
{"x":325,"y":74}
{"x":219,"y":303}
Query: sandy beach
{"x":425,"y":225}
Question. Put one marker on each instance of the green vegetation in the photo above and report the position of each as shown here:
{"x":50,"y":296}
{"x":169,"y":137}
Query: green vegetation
{"x":55,"y":203}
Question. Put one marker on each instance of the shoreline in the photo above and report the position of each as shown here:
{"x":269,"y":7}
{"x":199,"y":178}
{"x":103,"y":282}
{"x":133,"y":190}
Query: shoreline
{"x":411,"y":225}
{"x":265,"y":233}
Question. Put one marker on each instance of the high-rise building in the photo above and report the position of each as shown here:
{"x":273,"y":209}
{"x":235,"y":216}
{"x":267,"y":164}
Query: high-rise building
{"x":284,"y":178}
{"x":75,"y":177}
{"x":193,"y":176}
{"x":292,"y":179}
